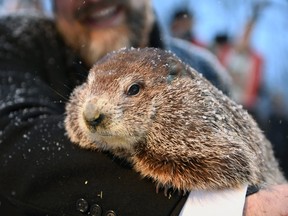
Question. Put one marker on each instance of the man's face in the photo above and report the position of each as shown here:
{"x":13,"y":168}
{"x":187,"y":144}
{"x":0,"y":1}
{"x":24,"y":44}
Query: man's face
{"x":95,"y":27}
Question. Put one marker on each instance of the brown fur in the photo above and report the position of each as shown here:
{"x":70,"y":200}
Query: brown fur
{"x":178,"y":130}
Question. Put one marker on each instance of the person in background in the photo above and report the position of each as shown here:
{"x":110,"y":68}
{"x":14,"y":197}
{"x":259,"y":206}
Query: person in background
{"x":247,"y":69}
{"x":242,"y":62}
{"x":181,"y":26}
{"x":41,"y":61}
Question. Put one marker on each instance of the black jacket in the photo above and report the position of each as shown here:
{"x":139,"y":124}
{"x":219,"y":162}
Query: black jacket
{"x":42,"y":172}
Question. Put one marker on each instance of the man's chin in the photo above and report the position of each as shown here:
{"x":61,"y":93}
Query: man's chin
{"x":92,"y":44}
{"x":102,"y":42}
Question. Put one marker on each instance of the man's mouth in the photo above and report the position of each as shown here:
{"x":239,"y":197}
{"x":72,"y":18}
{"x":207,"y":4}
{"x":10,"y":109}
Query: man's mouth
{"x":101,"y":17}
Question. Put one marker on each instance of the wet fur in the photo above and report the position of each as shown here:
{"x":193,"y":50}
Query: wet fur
{"x":179,"y":130}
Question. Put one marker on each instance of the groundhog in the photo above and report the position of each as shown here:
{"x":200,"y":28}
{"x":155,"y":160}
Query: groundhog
{"x":170,"y":123}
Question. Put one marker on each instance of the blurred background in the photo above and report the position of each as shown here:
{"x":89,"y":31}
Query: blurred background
{"x":250,"y":39}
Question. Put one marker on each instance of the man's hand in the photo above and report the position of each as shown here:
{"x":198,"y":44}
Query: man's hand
{"x":271,"y":201}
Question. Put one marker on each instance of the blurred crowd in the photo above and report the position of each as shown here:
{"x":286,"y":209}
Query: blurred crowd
{"x":248,"y":37}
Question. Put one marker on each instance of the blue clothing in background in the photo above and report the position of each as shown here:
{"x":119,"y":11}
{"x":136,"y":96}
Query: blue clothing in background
{"x":269,"y":37}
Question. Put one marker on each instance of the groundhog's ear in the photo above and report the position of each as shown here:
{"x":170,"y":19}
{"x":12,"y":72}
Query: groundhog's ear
{"x":176,"y":69}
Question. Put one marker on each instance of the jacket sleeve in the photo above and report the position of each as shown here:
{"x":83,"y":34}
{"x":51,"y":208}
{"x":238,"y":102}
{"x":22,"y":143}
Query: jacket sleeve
{"x":42,"y":172}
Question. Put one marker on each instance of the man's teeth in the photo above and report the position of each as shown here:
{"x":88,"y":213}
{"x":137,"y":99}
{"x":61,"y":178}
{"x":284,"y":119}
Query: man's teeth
{"x":104,"y":12}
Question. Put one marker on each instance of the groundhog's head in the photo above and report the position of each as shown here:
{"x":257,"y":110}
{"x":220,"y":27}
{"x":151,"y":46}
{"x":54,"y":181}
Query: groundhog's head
{"x":116,"y":106}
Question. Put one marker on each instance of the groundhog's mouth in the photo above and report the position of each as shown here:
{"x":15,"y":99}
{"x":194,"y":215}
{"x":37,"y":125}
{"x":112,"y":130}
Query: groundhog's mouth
{"x":112,"y":141}
{"x":106,"y":134}
{"x":103,"y":133}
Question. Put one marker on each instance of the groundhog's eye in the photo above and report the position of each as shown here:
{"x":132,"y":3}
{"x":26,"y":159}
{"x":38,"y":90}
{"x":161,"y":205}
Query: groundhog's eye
{"x":134,"y":89}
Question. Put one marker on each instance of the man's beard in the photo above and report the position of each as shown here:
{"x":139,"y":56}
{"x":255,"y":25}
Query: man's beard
{"x":101,"y":42}
{"x":92,"y":45}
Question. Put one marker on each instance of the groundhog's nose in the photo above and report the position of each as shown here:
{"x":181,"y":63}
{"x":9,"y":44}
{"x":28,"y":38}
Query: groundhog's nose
{"x":94,"y":122}
{"x":92,"y":116}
